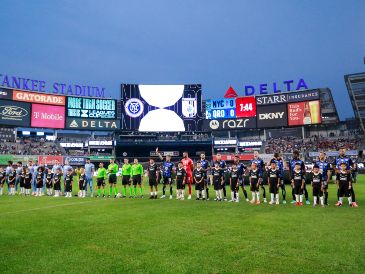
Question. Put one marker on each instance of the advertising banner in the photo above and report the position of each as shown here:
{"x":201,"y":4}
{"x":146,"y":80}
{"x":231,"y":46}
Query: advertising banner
{"x":39,"y":98}
{"x":47,"y":116}
{"x":229,"y":124}
{"x":75,"y":160}
{"x":6,"y":93}
{"x":92,"y":124}
{"x":245,"y":107}
{"x":50,"y":159}
{"x":272,"y":116}
{"x":14,"y":113}
{"x":231,"y":157}
{"x":80,"y":107}
{"x":304,"y":113}
{"x":16,"y":158}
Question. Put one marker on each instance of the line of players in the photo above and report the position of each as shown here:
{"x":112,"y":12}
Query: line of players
{"x":202,"y":176}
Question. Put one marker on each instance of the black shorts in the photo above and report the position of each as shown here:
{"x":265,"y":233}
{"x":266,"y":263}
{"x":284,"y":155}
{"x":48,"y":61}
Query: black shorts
{"x":27,"y":185}
{"x":273,"y":188}
{"x":253,"y":187}
{"x":234,"y":187}
{"x":49,"y":184}
{"x":126,"y":180}
{"x":68,"y":187}
{"x":179,"y":184}
{"x":298,"y":189}
{"x":317,"y":191}
{"x":100,"y":182}
{"x":152,"y":181}
{"x":39,"y":184}
{"x":217,"y":185}
{"x":344,"y":190}
{"x":167,"y":180}
{"x":137,"y":179}
{"x":199,"y":186}
{"x":82,"y":185}
{"x":57,"y":186}
{"x":112,"y":178}
{"x":21,"y":182}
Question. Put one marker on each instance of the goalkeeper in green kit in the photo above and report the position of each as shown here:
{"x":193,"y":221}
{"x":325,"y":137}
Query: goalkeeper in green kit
{"x":112,"y":173}
{"x":137,"y":172}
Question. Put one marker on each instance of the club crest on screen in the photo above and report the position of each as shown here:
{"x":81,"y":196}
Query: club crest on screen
{"x":189,"y":107}
{"x":134,"y":107}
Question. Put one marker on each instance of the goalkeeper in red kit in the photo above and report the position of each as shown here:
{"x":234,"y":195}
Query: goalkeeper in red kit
{"x":188,"y":166}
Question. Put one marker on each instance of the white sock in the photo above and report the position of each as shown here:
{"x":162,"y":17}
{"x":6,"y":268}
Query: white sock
{"x":257,"y":196}
{"x":221,"y":194}
{"x":297,"y":198}
{"x":277,"y":197}
{"x":321,"y":199}
{"x":198,"y":193}
{"x":272,"y":197}
{"x":253,"y":196}
{"x":217,"y":194}
{"x":301,"y":198}
{"x":341,"y":200}
{"x":203,"y":193}
{"x":1,"y":191}
{"x":315,"y":200}
{"x":237,"y":196}
{"x":350,"y":200}
{"x":232,"y":195}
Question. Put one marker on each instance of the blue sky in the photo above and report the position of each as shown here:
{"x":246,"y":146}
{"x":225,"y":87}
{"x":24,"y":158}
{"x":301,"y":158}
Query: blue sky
{"x":215,"y":43}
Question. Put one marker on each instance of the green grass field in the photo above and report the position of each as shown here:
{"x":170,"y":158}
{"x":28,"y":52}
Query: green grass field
{"x":60,"y":235}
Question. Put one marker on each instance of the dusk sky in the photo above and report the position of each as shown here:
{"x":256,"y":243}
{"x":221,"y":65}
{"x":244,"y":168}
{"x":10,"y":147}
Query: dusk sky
{"x":215,"y":43}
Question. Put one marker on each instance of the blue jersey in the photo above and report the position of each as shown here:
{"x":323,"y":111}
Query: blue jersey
{"x":205,"y":165}
{"x":167,"y":169}
{"x":240,"y":168}
{"x":280,"y":165}
{"x":323,"y":168}
{"x":222,"y":164}
{"x":259,"y":164}
{"x":293,"y":163}
{"x":344,"y":159}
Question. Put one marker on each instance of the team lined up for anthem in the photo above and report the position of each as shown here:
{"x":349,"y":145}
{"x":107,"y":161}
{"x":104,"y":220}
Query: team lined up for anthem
{"x":40,"y":178}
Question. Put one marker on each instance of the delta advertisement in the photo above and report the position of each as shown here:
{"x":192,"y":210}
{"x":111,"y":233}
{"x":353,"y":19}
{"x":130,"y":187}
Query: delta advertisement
{"x":46,"y":116}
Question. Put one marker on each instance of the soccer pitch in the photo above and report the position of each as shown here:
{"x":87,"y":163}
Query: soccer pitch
{"x":107,"y":235}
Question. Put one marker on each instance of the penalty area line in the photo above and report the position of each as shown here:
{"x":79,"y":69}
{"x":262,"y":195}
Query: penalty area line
{"x":40,"y":208}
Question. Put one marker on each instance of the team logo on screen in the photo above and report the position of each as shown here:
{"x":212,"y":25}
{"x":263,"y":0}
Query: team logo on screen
{"x":189,"y":107}
{"x":214,"y":124}
{"x":134,"y":107}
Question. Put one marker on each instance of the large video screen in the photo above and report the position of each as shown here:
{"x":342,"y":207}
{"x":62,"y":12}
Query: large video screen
{"x":81,"y":107}
{"x":161,"y":107}
{"x":304,"y":113}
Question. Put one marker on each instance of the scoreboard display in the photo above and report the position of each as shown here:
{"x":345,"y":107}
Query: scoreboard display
{"x":246,"y":107}
{"x":220,"y":109}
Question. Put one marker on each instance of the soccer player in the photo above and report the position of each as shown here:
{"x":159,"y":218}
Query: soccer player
{"x":188,"y":166}
{"x":28,"y":181}
{"x":343,"y":181}
{"x":223,"y":166}
{"x":57,"y":182}
{"x":218,"y":180}
{"x":11,"y":182}
{"x":260,"y":166}
{"x":274,"y":182}
{"x":342,"y":158}
{"x":66,"y":167}
{"x":167,"y":169}
{"x":241,"y":171}
{"x":126,"y":177}
{"x":325,"y":170}
{"x":298,"y":182}
{"x":9,"y":169}
{"x":254,"y":178}
{"x":89,"y":171}
{"x":292,"y":165}
{"x":100,"y":179}
{"x":2,"y":180}
{"x":317,"y":183}
{"x":280,"y":165}
{"x":180,"y":181}
{"x":19,"y":170}
{"x":137,"y":172}
{"x":82,"y":183}
{"x":206,"y":168}
{"x":68,"y":183}
{"x":39,"y":181}
{"x":234,"y":183}
{"x":21,"y":181}
{"x":198,"y":177}
{"x":49,"y":180}
{"x":152,"y":178}
{"x":112,"y":173}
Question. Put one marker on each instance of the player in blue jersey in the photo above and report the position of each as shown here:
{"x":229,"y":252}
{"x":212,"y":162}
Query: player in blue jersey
{"x":280,"y":165}
{"x":325,"y":170}
{"x":167,"y":169}
{"x":260,"y":167}
{"x":205,"y":167}
{"x":241,"y":172}
{"x":343,"y":159}
{"x":296,"y":160}
{"x":223,"y":166}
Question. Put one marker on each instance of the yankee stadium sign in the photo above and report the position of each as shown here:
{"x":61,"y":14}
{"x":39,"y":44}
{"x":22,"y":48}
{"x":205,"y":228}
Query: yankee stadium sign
{"x":24,"y":83}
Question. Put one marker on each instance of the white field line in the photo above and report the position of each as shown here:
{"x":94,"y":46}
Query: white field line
{"x":40,"y":208}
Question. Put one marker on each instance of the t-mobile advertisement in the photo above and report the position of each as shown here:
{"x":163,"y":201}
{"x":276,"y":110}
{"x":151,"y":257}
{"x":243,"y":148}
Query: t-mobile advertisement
{"x":47,"y":116}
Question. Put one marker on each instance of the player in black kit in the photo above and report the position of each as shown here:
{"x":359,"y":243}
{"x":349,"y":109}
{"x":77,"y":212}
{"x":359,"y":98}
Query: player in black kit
{"x":274,"y":182}
{"x":298,"y":184}
{"x":49,"y":182}
{"x":180,"y":181}
{"x":316,"y":179}
{"x":254,"y":177}
{"x":198,"y":177}
{"x":206,"y":168}
{"x":28,"y":177}
{"x":234,"y":183}
{"x":217,"y":173}
{"x":57,"y":182}
{"x":344,"y":184}
{"x":152,"y":178}
{"x":39,"y":181}
{"x":68,"y":183}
